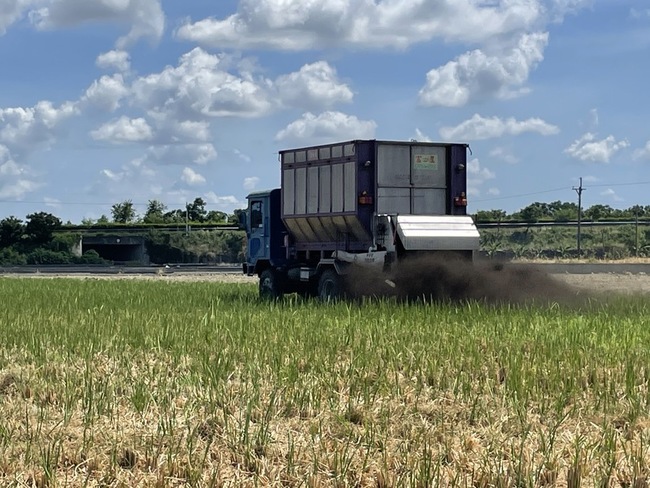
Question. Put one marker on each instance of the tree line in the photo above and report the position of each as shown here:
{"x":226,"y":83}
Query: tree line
{"x":39,"y":240}
{"x":157,"y":213}
{"x":35,"y":242}
{"x":563,"y":212}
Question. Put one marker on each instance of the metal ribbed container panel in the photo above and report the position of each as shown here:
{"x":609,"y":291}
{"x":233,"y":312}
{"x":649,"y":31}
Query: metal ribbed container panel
{"x":411,"y":179}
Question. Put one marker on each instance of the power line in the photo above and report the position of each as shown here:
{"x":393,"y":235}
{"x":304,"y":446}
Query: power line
{"x":54,"y":203}
{"x":560,"y":189}
{"x":623,"y":184}
{"x":207,"y":204}
{"x":564,"y":188}
{"x":57,"y":203}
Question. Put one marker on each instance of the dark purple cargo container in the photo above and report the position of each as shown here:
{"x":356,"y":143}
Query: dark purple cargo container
{"x":330,"y":192}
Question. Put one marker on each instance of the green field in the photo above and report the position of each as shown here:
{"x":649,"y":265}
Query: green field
{"x":155,"y":383}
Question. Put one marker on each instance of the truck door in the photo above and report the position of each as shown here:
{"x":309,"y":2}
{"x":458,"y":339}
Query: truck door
{"x":258,"y":231}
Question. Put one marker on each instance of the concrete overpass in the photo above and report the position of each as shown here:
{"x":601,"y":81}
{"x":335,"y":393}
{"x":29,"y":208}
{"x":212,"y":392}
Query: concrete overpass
{"x":117,"y":248}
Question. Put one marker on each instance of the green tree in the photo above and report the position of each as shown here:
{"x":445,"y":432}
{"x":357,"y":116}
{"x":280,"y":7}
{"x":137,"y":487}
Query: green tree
{"x":175,"y":216}
{"x":196,"y":210}
{"x":565,"y":214}
{"x":234,"y":218}
{"x":41,"y":226}
{"x":216,"y":216}
{"x":123,"y":212}
{"x":534,"y":212}
{"x":597,"y":212}
{"x":562,"y":211}
{"x":636,"y":211}
{"x":103,"y":220}
{"x":155,"y":213}
{"x":11,"y":231}
{"x":490,"y":215}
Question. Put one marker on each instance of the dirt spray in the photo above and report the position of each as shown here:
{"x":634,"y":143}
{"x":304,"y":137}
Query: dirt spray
{"x":446,"y":279}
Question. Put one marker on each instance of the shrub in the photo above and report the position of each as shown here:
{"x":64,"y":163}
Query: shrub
{"x":11,"y":257}
{"x":45,"y":256}
{"x":91,"y":256}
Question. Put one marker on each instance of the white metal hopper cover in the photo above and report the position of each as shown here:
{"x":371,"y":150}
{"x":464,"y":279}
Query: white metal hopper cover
{"x":437,"y":232}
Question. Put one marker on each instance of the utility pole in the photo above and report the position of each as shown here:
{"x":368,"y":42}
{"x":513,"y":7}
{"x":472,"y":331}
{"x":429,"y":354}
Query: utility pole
{"x":187,"y":218}
{"x":579,"y":191}
{"x":636,"y":232}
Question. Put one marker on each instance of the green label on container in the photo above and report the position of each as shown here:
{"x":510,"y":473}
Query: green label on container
{"x":425,"y":161}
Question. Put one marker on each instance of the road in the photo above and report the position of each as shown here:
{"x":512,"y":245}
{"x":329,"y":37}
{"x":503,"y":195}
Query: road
{"x":551,"y":268}
{"x":134,"y":270}
{"x":615,"y":277}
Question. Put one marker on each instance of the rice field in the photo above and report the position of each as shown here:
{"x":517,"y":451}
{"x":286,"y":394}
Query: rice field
{"x":155,"y":383}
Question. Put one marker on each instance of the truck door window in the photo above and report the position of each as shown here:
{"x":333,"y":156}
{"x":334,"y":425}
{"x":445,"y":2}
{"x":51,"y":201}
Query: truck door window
{"x":256,"y":214}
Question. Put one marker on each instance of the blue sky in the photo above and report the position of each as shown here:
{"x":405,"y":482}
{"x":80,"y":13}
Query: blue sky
{"x":111,"y":100}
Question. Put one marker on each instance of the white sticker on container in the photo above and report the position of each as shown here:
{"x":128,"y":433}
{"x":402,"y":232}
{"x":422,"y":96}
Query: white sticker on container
{"x":425,"y":161}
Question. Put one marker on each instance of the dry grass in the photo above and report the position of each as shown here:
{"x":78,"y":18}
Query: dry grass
{"x":151,"y":383}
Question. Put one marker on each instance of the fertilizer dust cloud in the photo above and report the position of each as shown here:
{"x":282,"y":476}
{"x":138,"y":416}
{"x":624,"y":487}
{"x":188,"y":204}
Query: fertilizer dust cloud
{"x":449,"y":279}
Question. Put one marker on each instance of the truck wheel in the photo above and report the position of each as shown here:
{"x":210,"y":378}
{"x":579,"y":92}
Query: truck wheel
{"x":330,"y":286}
{"x":270,"y":285}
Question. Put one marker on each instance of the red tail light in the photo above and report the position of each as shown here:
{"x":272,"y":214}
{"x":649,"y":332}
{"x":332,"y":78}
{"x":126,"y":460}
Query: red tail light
{"x":365,"y":199}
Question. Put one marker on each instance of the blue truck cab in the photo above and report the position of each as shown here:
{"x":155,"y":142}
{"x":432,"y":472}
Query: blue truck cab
{"x":265,"y":233}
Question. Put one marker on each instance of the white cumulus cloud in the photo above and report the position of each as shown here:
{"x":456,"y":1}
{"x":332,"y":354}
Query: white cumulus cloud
{"x":204,"y":85}
{"x":327,"y":126}
{"x":609,"y":193}
{"x":15,"y":179}
{"x":11,"y":11}
{"x":251,"y":182}
{"x":477,"y":176}
{"x":378,"y":24}
{"x":144,"y":17}
{"x":124,"y":130}
{"x":17,"y":189}
{"x":8,"y":167}
{"x":243,"y":156}
{"x":587,"y":148}
{"x":23,"y":128}
{"x":643,"y":153}
{"x":477,"y":75}
{"x":421,"y":136}
{"x":192,"y":178}
{"x":314,"y":85}
{"x":200,"y":86}
{"x":224,"y":203}
{"x":180,"y":154}
{"x":106,"y":93}
{"x":479,"y":127}
{"x":173,"y":131}
{"x":113,"y":175}
{"x":114,"y":60}
{"x":504,"y":154}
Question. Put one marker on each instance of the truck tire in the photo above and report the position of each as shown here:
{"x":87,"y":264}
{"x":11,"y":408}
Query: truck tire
{"x":270,"y":285}
{"x":330,"y":286}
